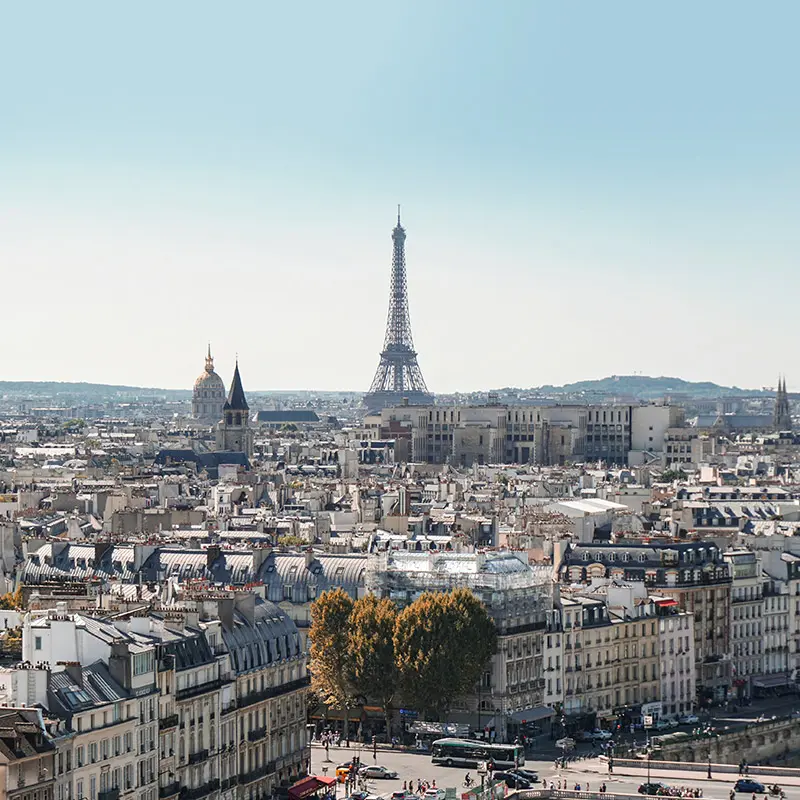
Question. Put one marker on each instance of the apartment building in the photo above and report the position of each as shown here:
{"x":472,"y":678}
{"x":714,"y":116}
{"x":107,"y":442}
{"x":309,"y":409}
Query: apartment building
{"x":785,"y":568}
{"x":553,"y":661}
{"x":676,"y":661}
{"x":747,"y":605}
{"x":692,"y":573}
{"x":610,"y":653}
{"x":775,"y":594}
{"x":102,"y":685}
{"x":27,"y":756}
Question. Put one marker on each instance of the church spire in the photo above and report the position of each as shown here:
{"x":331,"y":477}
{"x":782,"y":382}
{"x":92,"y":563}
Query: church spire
{"x":236,"y":400}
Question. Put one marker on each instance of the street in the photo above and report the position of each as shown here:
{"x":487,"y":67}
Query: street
{"x":589,"y":774}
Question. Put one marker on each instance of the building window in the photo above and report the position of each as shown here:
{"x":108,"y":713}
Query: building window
{"x":37,"y":643}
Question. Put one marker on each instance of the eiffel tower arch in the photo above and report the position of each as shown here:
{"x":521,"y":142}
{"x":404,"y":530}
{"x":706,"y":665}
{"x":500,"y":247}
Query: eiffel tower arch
{"x":398,"y":378}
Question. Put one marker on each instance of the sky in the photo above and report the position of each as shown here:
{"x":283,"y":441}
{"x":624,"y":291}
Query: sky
{"x":587,"y":188}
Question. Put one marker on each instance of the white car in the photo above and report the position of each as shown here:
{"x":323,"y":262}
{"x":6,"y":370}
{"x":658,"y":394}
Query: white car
{"x":689,"y":719}
{"x":599,"y":735}
{"x":434,"y":794}
{"x":377,"y":771}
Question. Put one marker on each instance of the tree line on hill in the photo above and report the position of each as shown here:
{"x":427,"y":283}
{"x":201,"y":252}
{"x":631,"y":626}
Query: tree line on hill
{"x":425,"y":655}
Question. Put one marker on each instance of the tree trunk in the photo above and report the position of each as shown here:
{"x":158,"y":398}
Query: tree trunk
{"x":388,"y":716}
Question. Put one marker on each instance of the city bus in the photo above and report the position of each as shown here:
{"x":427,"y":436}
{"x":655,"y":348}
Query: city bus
{"x":470,"y":752}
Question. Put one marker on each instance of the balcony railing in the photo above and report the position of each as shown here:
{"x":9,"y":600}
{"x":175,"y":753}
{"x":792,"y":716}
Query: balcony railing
{"x":168,"y":722}
{"x":108,"y":794}
{"x":201,"y":791}
{"x":169,"y":791}
{"x":258,"y":733}
{"x":201,"y":688}
{"x":255,"y":774}
{"x":198,"y":756}
{"x":272,"y":691}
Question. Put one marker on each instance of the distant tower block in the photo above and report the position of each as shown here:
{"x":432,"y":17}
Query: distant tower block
{"x":398,"y":378}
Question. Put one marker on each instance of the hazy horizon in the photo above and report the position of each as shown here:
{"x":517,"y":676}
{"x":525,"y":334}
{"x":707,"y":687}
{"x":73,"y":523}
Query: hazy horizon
{"x":587,"y":190}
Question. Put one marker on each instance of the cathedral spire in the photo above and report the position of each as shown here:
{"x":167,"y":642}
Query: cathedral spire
{"x":782,"y":417}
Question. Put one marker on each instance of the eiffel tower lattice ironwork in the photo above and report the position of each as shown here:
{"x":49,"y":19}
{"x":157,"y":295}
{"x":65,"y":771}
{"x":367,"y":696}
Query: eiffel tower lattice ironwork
{"x":398,"y":378}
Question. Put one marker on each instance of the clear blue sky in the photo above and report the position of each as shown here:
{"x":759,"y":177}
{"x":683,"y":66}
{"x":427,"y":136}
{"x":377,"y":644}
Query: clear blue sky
{"x":588,"y":188}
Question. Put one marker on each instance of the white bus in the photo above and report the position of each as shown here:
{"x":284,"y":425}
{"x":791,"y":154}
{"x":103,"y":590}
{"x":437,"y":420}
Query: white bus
{"x":470,"y":752}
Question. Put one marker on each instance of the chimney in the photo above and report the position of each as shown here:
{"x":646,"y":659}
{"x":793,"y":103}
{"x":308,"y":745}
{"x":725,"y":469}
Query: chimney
{"x":225,"y":612}
{"x":212,"y":554}
{"x":100,"y":549}
{"x":73,"y":669}
{"x":260,"y":555}
{"x":246,"y":605}
{"x":310,"y":556}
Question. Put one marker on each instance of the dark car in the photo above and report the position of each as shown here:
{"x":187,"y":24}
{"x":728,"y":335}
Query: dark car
{"x":512,"y":781}
{"x":748,"y":785}
{"x":526,"y":774}
{"x":654,"y":788}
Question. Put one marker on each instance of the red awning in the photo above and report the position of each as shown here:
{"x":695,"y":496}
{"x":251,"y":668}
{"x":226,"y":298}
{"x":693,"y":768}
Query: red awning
{"x":309,"y":785}
{"x":668,"y":602}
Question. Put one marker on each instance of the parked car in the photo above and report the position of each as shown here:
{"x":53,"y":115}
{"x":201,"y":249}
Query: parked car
{"x":512,"y":781}
{"x":377,"y":771}
{"x":599,"y":735}
{"x":688,"y":719}
{"x":664,"y":724}
{"x":433,"y":794}
{"x":748,"y":785}
{"x":656,"y":787}
{"x":526,"y":774}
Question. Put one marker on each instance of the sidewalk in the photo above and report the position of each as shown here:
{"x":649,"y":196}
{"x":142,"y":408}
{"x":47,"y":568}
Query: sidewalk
{"x":678,"y":775}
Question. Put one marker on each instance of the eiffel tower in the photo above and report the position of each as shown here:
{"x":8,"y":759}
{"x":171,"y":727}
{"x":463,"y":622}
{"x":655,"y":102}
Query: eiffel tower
{"x":398,"y":379}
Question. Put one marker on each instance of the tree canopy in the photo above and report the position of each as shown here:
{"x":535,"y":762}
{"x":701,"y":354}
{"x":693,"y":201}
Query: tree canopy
{"x":430,"y":653}
{"x":372,"y":625}
{"x":442,"y":644}
{"x":331,"y":664}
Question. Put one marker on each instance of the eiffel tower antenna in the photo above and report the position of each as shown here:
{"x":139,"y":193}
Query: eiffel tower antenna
{"x":398,"y":378}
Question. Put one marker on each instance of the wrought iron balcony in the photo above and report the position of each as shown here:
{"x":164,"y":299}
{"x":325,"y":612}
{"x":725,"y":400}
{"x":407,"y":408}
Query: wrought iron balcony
{"x":198,"y":756}
{"x":168,"y":722}
{"x":200,"y":791}
{"x":255,"y":774}
{"x":258,"y":733}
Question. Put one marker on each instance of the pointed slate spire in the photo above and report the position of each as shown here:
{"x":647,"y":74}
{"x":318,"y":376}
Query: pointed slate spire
{"x":236,"y":400}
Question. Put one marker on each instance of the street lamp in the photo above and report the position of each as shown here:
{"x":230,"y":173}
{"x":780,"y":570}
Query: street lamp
{"x":709,"y":762}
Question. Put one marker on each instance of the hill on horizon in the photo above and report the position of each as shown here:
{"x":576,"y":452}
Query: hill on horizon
{"x":650,"y":387}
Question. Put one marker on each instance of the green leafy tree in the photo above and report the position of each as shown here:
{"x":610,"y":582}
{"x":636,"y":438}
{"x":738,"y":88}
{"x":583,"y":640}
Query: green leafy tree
{"x":331,"y":661}
{"x":372,"y":625}
{"x":442,"y":643}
